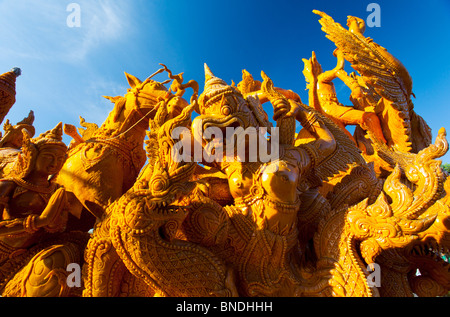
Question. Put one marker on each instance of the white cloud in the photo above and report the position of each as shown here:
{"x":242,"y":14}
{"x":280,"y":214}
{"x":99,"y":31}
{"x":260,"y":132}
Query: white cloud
{"x":38,"y":29}
{"x":96,"y":108}
{"x":102,"y":22}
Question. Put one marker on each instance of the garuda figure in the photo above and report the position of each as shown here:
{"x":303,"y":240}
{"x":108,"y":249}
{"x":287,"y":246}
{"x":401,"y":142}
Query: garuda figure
{"x":383,"y":87}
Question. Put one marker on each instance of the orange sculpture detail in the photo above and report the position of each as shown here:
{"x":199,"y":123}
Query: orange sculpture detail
{"x":229,"y":202}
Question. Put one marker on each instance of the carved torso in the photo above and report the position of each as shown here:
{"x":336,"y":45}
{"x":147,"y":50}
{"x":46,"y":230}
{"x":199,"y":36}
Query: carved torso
{"x":21,"y":199}
{"x":269,"y":192}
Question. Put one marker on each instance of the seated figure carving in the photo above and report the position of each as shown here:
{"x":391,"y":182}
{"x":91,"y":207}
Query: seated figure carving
{"x":34,"y":212}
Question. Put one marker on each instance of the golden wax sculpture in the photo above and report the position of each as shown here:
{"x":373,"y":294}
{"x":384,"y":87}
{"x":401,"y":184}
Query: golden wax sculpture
{"x":331,"y":214}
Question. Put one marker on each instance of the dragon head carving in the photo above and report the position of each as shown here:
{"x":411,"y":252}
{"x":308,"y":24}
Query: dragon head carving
{"x":408,"y":226}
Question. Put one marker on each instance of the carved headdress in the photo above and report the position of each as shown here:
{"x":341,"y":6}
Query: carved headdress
{"x":215,"y":90}
{"x":51,"y":138}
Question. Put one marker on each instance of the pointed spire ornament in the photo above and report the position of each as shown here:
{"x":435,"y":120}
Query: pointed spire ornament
{"x":208,"y":73}
{"x":215,"y":89}
{"x":212,"y":81}
{"x":51,"y":137}
{"x":8,"y":91}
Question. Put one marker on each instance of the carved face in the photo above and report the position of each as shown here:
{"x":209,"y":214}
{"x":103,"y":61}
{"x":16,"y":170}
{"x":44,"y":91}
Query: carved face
{"x":356,"y":25}
{"x":176,"y":105}
{"x":231,"y":111}
{"x":142,"y":96}
{"x":50,"y":160}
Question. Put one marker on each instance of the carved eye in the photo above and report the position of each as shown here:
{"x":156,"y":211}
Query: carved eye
{"x":226,"y":110}
{"x":158,"y":185}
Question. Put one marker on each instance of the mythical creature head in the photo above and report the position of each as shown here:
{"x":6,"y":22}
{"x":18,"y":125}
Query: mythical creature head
{"x":165,"y":182}
{"x":143,"y":96}
{"x":165,"y":178}
{"x":223,"y":105}
{"x":411,"y":229}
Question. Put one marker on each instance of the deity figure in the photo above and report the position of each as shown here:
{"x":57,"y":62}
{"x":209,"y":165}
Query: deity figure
{"x":322,"y":96}
{"x":279,"y":236}
{"x":382,"y":86}
{"x":176,"y":233}
{"x":154,"y":267}
{"x":266,"y":194}
{"x":34,"y":210}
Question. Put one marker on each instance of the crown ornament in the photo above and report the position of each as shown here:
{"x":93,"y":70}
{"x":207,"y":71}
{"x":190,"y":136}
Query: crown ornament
{"x":51,"y":137}
{"x":215,"y":90}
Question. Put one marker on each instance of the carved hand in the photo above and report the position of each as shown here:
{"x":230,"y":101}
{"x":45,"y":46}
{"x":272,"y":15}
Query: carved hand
{"x":54,"y":208}
{"x":281,"y":108}
{"x":312,"y":68}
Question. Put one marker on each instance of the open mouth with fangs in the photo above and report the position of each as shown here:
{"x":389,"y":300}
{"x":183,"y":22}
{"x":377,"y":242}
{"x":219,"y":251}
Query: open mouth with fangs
{"x":431,"y":259}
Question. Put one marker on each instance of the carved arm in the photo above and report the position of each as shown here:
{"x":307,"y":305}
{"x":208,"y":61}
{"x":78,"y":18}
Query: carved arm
{"x":325,"y":143}
{"x":33,"y":222}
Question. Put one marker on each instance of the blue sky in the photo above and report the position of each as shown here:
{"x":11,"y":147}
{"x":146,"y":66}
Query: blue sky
{"x":65,"y":71}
